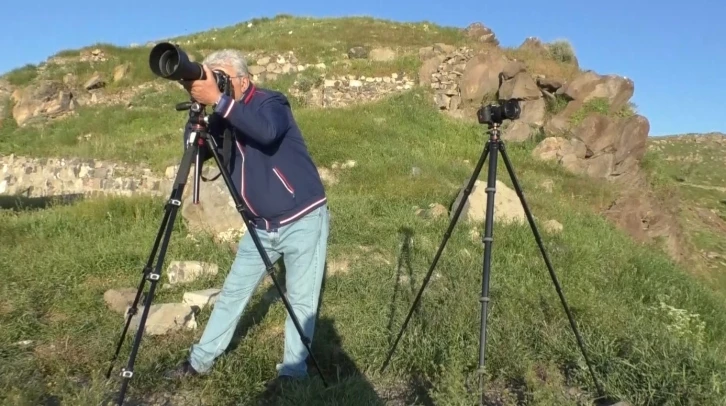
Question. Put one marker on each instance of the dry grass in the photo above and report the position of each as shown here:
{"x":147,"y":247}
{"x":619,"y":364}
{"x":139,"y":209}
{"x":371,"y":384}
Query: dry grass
{"x":542,"y":63}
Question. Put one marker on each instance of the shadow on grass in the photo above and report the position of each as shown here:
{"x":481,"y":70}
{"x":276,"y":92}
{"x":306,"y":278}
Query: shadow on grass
{"x":344,"y":378}
{"x":23,"y":203}
{"x":404,"y":259}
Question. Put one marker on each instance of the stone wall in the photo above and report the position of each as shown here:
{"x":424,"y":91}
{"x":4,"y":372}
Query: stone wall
{"x":341,"y":91}
{"x":42,"y":177}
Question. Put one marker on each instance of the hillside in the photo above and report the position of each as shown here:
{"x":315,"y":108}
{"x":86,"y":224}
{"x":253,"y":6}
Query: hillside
{"x":634,"y":226}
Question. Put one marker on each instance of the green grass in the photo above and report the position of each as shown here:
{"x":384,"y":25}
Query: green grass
{"x":279,"y":34}
{"x":693,"y":168}
{"x":600,"y":106}
{"x":58,"y":262}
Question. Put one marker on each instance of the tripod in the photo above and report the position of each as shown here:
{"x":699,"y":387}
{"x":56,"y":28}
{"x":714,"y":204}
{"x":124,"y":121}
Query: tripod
{"x":492,"y":147}
{"x":198,"y":137}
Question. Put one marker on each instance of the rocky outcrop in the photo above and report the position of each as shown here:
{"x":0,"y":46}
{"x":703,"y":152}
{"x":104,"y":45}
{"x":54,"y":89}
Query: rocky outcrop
{"x":464,"y":79}
{"x":43,"y":99}
{"x":601,"y":146}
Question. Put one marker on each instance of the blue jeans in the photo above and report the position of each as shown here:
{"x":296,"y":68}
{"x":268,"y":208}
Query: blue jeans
{"x":303,"y":246}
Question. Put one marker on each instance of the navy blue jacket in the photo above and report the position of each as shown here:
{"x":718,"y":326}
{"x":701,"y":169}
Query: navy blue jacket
{"x":269,"y":165}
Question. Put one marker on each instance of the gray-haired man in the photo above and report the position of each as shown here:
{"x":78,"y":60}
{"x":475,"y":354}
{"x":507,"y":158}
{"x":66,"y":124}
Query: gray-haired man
{"x":280,"y":185}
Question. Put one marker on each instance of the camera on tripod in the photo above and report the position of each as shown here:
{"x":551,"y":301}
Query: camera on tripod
{"x":496,"y":113}
{"x":169,"y":61}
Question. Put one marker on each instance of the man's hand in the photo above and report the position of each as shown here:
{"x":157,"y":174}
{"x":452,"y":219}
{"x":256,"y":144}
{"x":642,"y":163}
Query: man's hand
{"x":204,"y":91}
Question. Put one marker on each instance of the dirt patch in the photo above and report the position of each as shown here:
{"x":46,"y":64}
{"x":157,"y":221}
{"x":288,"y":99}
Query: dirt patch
{"x":5,"y":307}
{"x":711,"y":219}
{"x":648,"y":216}
{"x":338,"y":267}
{"x":65,"y":351}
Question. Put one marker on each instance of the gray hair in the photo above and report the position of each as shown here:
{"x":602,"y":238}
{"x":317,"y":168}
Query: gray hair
{"x":230,"y":57}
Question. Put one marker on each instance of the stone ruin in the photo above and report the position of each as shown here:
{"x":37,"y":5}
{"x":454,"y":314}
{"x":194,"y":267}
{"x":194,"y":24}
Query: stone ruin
{"x":341,"y":91}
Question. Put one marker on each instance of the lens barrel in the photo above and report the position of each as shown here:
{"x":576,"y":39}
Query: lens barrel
{"x":171,"y":62}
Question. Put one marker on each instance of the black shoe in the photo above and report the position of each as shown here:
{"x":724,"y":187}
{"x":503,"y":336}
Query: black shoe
{"x":183,"y":370}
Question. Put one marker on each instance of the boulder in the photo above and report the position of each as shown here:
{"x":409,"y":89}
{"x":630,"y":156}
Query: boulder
{"x":617,"y":90}
{"x":481,"y":75}
{"x":43,"y":99}
{"x":600,"y":147}
{"x":507,"y":207}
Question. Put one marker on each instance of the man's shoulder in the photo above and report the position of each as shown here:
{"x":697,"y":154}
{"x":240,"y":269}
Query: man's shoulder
{"x":261,"y":95}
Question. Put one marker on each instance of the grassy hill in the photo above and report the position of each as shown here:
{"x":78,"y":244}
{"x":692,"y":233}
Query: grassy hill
{"x":655,"y":329}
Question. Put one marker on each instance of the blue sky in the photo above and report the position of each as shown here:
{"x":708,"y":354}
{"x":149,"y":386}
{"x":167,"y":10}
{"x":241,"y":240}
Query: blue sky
{"x":675,"y":51}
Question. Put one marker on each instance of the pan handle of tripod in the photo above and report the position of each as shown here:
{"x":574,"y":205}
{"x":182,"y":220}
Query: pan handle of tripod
{"x":198,"y":162}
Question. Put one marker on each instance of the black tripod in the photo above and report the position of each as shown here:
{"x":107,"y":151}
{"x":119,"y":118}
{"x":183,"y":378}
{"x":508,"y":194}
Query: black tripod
{"x":199,"y":136}
{"x":492,"y":147}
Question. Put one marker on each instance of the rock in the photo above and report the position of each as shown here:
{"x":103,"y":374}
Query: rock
{"x":119,"y":300}
{"x":94,"y":82}
{"x":257,"y":69}
{"x":165,"y":318}
{"x":518,"y":131}
{"x":358,"y":52}
{"x":521,"y":86}
{"x":385,"y":54}
{"x":121,"y":71}
{"x":43,"y":99}
{"x":533,"y":44}
{"x":507,"y":207}
{"x":481,"y":76}
{"x":478,"y":32}
{"x":602,"y":147}
{"x":513,"y":69}
{"x":553,"y":226}
{"x":215,"y":213}
{"x":598,"y":132}
{"x":435,"y":210}
{"x":533,"y":112}
{"x":617,"y":90}
{"x":549,"y":84}
{"x":201,"y":298}
{"x":428,"y":68}
{"x":180,"y":272}
{"x":631,"y":146}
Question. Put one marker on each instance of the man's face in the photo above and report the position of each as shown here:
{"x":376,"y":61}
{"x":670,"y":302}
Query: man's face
{"x":239,"y":83}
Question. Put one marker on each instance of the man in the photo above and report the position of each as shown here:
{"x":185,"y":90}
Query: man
{"x":280,"y":185}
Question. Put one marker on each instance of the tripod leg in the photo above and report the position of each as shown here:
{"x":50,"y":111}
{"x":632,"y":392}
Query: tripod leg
{"x":486,"y":268}
{"x":447,"y":235}
{"x":538,"y":239}
{"x":260,"y":248}
{"x":134,"y":306}
{"x":166,"y":228}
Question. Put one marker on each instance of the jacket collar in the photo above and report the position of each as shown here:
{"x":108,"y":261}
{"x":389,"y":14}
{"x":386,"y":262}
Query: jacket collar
{"x":247,"y":94}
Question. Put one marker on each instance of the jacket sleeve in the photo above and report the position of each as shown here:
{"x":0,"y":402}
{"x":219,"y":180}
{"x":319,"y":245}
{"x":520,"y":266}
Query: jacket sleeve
{"x":264,"y":124}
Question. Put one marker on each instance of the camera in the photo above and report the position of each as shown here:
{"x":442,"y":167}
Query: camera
{"x":497,"y":113}
{"x":169,"y":61}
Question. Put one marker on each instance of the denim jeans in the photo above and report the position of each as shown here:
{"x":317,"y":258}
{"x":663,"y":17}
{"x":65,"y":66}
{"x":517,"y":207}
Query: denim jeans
{"x":303,"y":247}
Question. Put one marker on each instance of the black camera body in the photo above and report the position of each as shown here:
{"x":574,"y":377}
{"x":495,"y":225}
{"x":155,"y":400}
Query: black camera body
{"x":497,"y":113}
{"x":169,"y":61}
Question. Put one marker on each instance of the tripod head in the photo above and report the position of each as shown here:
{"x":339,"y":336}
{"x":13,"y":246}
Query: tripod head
{"x":494,"y":114}
{"x":198,"y":122}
